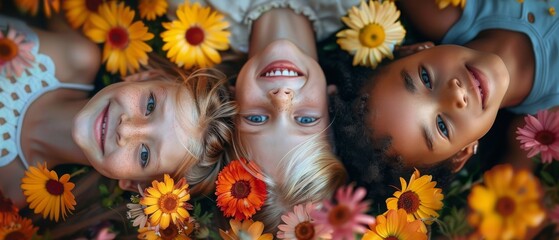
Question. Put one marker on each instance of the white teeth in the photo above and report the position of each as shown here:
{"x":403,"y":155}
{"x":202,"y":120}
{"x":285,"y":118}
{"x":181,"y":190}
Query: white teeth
{"x":281,"y":72}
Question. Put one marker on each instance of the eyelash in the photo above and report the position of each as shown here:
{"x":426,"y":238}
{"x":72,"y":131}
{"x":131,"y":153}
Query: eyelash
{"x":443,"y":129}
{"x":144,"y":155}
{"x":425,"y":78}
{"x":150,"y":106}
{"x":257,"y":119}
{"x":301,"y":120}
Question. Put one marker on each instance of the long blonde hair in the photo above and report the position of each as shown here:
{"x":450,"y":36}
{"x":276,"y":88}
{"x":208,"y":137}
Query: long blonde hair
{"x":309,"y":173}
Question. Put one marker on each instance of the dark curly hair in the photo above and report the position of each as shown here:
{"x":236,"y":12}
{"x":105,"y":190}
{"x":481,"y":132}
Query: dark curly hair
{"x":366,"y":158}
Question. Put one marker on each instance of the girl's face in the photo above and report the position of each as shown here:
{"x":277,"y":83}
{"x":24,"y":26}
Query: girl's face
{"x":282,"y":100}
{"x":437,"y":101}
{"x":129,"y":130}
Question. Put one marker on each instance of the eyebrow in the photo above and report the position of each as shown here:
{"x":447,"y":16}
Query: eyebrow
{"x":408,"y":82}
{"x":428,"y":137}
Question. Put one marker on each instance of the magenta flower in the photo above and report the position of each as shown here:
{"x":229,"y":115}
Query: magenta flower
{"x":347,"y":216}
{"x":15,"y":54}
{"x":540,"y":135}
{"x":553,"y":214}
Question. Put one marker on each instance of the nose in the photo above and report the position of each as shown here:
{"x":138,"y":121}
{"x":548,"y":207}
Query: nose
{"x":457,"y":95}
{"x":129,"y":128}
{"x":282,"y":98}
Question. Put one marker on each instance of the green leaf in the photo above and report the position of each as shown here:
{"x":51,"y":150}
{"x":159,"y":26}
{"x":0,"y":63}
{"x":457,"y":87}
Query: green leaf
{"x":548,"y":178}
{"x":103,"y":189}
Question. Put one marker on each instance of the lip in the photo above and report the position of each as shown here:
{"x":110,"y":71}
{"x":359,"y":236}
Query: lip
{"x":103,"y":117}
{"x":480,"y":77}
{"x":281,"y":64}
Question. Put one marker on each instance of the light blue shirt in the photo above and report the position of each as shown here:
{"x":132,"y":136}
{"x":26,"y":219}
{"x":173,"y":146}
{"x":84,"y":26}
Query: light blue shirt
{"x":479,"y":15}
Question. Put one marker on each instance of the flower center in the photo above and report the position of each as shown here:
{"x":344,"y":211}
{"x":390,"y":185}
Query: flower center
{"x":8,"y":50}
{"x":545,"y":137}
{"x":339,"y":215}
{"x":118,"y":37}
{"x":372,"y":35}
{"x":391,"y":238}
{"x":194,"y":35}
{"x":409,"y":201}
{"x":240,"y":189}
{"x":304,"y":231}
{"x":16,"y":235}
{"x":93,"y":5}
{"x":169,"y":233}
{"x":505,"y":206}
{"x":168,"y":203}
{"x":54,"y":187}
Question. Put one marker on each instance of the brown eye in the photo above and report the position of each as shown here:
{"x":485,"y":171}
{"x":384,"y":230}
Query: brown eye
{"x":150,"y":106}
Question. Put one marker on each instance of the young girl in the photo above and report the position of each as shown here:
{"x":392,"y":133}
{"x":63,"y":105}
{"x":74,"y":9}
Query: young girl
{"x":281,"y":95}
{"x":432,"y":106}
{"x":133,"y":131}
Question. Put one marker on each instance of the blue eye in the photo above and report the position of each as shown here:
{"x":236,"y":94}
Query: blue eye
{"x":150,"y":106}
{"x":425,"y":78}
{"x":144,"y":156}
{"x":306,"y":120}
{"x":442,"y":126}
{"x":257,"y":118}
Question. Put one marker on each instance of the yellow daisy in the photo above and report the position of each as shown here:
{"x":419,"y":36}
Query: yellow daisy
{"x":19,"y":228}
{"x":79,"y":11}
{"x":166,"y":202}
{"x":445,"y":3}
{"x":247,"y":229}
{"x":507,"y":204}
{"x":395,"y":226}
{"x":32,"y":6}
{"x":150,"y":9}
{"x":124,"y":48}
{"x":46,"y":193}
{"x":195,"y":38}
{"x":373,"y":33}
{"x":420,"y":198}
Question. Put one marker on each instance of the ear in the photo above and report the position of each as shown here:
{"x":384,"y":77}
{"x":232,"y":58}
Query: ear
{"x":402,"y":51}
{"x":459,"y":159}
{"x":332,"y":89}
{"x":130,"y":185}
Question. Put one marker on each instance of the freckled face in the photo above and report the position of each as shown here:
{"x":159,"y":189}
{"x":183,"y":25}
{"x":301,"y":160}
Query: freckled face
{"x":282,"y":100}
{"x":129,"y":130}
{"x":436,"y":102}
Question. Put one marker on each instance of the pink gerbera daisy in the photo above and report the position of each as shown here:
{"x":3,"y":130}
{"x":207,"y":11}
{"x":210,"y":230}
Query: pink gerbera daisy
{"x":299,"y":224}
{"x":540,"y":135}
{"x":347,"y":216}
{"x":554,"y":214}
{"x":15,"y":53}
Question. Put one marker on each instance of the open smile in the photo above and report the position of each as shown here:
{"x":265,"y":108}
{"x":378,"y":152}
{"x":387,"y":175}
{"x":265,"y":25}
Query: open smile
{"x":480,"y":84}
{"x":101,"y":128}
{"x":281,"y":69}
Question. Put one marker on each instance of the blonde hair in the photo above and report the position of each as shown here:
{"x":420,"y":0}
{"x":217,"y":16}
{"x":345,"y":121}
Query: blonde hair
{"x":309,"y":173}
{"x":213,"y":120}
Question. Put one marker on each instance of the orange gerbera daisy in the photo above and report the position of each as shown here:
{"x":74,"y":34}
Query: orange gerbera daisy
{"x":195,"y":38}
{"x":420,"y":198}
{"x":171,"y":233}
{"x":506,"y":204}
{"x":32,"y":6}
{"x":239,"y":194}
{"x":79,"y":11}
{"x":8,"y":211}
{"x":166,"y":202}
{"x":19,"y":228}
{"x":46,"y":193}
{"x":15,"y":53}
{"x":125,"y":48}
{"x":247,"y":229}
{"x":151,"y":9}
